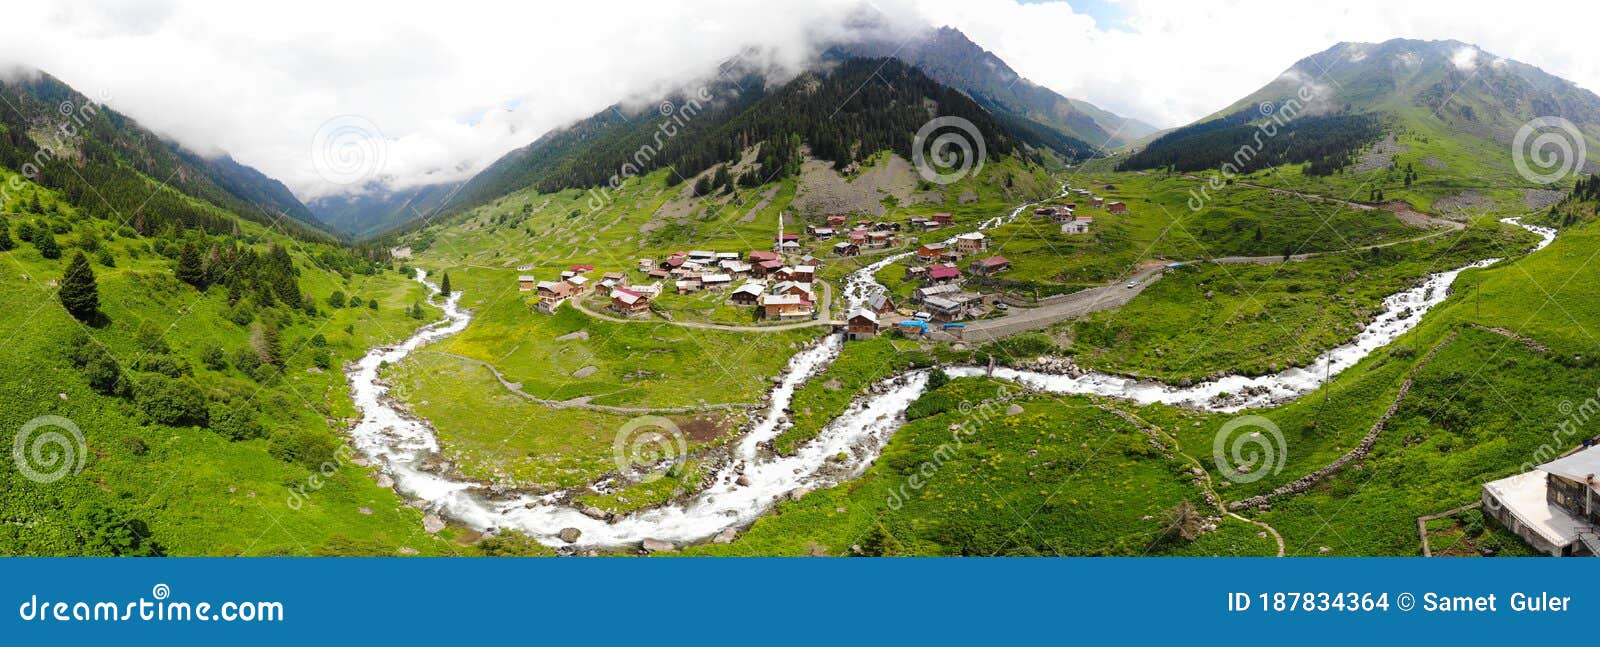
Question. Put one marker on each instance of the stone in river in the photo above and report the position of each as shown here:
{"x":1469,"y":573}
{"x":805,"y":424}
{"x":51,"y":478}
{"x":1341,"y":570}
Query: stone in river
{"x":657,"y":546}
{"x":570,"y":535}
{"x":596,"y":513}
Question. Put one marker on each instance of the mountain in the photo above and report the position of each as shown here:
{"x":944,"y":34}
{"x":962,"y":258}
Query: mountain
{"x":1030,"y":114}
{"x":947,"y":55}
{"x":186,"y":320}
{"x":844,"y":112}
{"x":380,"y":209}
{"x":1453,"y":106}
{"x":89,"y":151}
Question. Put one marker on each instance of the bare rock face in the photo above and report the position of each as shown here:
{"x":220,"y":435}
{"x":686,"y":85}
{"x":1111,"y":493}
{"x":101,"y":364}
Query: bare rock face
{"x":657,"y":546}
{"x":570,"y":535}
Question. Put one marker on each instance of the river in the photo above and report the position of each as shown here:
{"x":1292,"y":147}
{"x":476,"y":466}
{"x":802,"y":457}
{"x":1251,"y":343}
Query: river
{"x":401,"y":443}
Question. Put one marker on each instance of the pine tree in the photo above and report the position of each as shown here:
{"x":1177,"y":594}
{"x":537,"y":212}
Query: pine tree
{"x":79,"y":292}
{"x":46,"y":243}
{"x":444,"y":285}
{"x":6,"y":243}
{"x":189,"y":268}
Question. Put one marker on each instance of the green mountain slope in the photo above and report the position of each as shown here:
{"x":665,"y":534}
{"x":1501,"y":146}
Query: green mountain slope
{"x":844,"y":114}
{"x":175,"y":351}
{"x":372,"y":213}
{"x":1431,"y":122}
{"x":950,"y":57}
{"x":101,"y":158}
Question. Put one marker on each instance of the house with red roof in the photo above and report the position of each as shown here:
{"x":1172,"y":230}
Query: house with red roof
{"x":989,"y":266}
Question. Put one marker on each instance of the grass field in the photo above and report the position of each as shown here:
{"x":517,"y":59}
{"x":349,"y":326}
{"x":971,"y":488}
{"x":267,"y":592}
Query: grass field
{"x":190,"y":489}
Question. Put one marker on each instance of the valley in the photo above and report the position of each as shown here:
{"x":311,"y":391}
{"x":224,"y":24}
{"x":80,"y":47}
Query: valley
{"x":1315,"y":322}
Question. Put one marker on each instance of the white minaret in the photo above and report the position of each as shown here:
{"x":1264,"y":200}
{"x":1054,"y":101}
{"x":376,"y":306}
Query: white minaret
{"x":777,"y":246}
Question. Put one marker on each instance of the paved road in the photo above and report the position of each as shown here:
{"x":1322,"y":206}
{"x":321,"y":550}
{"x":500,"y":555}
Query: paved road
{"x":1117,"y":294}
{"x":1066,"y":307}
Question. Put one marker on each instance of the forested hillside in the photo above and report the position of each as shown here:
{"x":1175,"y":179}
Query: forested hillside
{"x":175,"y":352}
{"x":845,"y":114}
{"x":101,"y":159}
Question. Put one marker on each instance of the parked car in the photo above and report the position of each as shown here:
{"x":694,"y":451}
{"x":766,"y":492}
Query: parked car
{"x":1132,"y":284}
{"x":1001,"y":305}
{"x":922,"y":315}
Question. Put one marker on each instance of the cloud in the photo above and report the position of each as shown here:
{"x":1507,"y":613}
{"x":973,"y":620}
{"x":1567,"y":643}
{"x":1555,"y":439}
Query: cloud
{"x":455,"y":86}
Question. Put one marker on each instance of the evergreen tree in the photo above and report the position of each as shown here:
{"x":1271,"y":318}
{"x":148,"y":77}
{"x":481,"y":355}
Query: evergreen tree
{"x":444,"y":285}
{"x":79,"y":292}
{"x":46,"y":243}
{"x":189,"y":268}
{"x":6,"y":243}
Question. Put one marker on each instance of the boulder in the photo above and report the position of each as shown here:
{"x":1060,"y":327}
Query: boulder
{"x":657,"y":546}
{"x":385,"y":481}
{"x":726,"y":536}
{"x":570,"y":535}
{"x":432,"y":523}
{"x":743,"y":481}
{"x":1013,"y":410}
{"x":596,"y":513}
{"x":585,"y":372}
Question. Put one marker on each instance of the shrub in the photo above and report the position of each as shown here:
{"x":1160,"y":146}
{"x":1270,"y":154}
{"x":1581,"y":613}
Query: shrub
{"x":304,"y":447}
{"x":99,"y":368}
{"x":235,"y":422}
{"x":168,"y":401}
{"x":214,"y":358}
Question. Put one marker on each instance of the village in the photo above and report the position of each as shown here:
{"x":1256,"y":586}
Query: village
{"x":782,"y":285}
